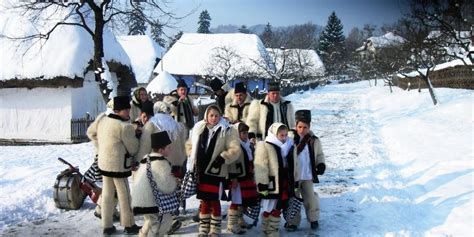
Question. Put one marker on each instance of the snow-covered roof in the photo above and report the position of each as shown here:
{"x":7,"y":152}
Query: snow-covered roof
{"x":164,"y":83}
{"x":66,"y":53}
{"x":388,"y":39}
{"x":195,"y":54}
{"x":307,"y":58}
{"x":143,"y":52}
{"x":454,"y":63}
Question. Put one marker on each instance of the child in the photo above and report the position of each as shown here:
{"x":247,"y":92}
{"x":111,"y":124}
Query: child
{"x":214,"y":145}
{"x":275,"y":172}
{"x":312,"y":164}
{"x":143,"y":199}
{"x":243,"y":187}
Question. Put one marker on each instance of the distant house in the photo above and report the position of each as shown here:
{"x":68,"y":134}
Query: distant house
{"x":196,"y":57}
{"x":45,"y":86}
{"x":374,"y":43}
{"x":144,"y":54}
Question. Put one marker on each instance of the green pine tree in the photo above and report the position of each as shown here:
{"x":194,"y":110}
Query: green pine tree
{"x":267,"y":36}
{"x":204,"y":23}
{"x":243,"y":29}
{"x":331,"y":45}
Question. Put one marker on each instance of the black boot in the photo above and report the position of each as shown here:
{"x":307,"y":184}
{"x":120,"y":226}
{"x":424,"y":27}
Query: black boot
{"x":314,"y":225}
{"x":134,"y":229}
{"x":110,"y":230}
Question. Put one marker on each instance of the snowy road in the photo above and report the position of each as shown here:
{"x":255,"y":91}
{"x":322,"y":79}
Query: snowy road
{"x":377,"y":182}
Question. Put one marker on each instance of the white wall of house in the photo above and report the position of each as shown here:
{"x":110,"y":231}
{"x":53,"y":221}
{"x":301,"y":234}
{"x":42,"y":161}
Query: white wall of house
{"x":35,"y":114}
{"x":87,"y":99}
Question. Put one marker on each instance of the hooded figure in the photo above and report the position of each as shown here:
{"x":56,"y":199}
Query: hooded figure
{"x":214,"y":145}
{"x":162,"y":121}
{"x":140,"y":96}
{"x":276,"y":172}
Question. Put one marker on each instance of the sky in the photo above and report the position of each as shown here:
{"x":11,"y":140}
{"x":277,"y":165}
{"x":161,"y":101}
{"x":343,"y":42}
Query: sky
{"x":288,"y":12}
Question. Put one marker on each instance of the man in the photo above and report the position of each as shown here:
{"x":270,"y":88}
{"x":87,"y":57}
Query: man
{"x":116,"y":146}
{"x":238,"y":110}
{"x":183,"y":109}
{"x":312,"y":164}
{"x":273,"y":108}
{"x":220,"y":92}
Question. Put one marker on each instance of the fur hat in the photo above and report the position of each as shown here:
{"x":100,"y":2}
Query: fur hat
{"x":147,"y":108}
{"x":121,"y":103}
{"x":303,"y":116}
{"x":181,"y":83}
{"x":273,"y":86}
{"x":161,"y":107}
{"x":216,"y":84}
{"x":240,"y":88}
{"x":242,"y":127}
{"x":160,"y":140}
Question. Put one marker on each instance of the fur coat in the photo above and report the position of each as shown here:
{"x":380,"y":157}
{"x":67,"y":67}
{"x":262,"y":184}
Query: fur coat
{"x":260,"y":116}
{"x":143,"y":201}
{"x":116,"y":146}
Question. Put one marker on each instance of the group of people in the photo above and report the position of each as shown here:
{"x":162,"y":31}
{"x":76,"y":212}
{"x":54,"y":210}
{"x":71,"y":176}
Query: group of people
{"x":253,"y":153}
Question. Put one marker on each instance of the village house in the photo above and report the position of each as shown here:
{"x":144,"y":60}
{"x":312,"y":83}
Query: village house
{"x":47,"y":87}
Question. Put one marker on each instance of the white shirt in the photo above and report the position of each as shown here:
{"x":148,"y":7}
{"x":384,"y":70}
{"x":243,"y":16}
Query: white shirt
{"x":305,"y":164}
{"x":276,"y":112}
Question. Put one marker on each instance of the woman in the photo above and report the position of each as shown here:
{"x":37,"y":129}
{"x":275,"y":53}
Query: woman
{"x":139,"y":97}
{"x":275,"y":172}
{"x":214,"y":144}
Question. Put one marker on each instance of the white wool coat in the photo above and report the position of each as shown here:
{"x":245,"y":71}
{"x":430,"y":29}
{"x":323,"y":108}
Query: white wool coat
{"x":177,"y":146}
{"x":227,"y":146}
{"x":231,"y":111}
{"x":142,"y":195}
{"x":115,"y":139}
{"x":266,"y":166}
{"x":257,"y":116}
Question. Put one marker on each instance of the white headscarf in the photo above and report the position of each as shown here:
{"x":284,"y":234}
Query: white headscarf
{"x":272,"y":138}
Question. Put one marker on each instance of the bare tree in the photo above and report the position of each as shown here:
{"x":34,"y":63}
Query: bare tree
{"x":423,"y":54}
{"x":223,"y":61}
{"x":93,"y":17}
{"x":451,"y":24}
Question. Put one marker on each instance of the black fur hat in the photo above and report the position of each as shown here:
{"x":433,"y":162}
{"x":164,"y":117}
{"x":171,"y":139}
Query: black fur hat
{"x":273,"y":86}
{"x":160,"y":140}
{"x":216,"y":84}
{"x":181,"y":83}
{"x":147,"y":108}
{"x":303,"y":116}
{"x":240,"y":88}
{"x":121,"y":103}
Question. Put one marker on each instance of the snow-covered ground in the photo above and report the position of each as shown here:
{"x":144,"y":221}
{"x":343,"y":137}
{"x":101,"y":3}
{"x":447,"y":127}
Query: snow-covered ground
{"x":397,"y":166}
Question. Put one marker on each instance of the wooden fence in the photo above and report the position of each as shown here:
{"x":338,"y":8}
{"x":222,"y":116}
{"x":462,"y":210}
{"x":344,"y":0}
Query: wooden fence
{"x":79,"y":129}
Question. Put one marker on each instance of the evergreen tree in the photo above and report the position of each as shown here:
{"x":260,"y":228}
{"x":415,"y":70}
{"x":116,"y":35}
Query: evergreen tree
{"x":175,"y":38}
{"x":243,"y":29}
{"x":331,"y":45}
{"x":204,"y":22}
{"x":136,"y":20}
{"x":157,"y":32}
{"x":267,"y":35}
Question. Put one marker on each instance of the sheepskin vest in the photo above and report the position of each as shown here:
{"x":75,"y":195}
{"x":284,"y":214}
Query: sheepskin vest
{"x":315,"y":150}
{"x":234,"y":112}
